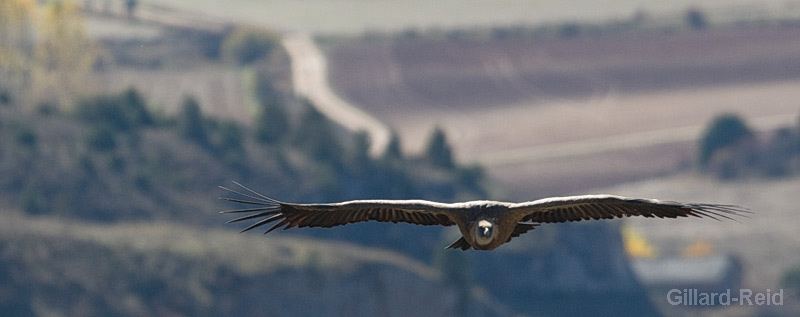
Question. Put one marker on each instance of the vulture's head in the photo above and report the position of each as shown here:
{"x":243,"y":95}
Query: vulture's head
{"x":484,"y":232}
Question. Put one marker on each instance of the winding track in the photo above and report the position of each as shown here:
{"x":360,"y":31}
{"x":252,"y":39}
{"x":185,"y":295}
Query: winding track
{"x":310,"y":77}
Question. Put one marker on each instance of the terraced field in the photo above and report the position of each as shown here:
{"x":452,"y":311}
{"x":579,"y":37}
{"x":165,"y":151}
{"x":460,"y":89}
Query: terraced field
{"x":356,"y":16}
{"x":582,"y":112}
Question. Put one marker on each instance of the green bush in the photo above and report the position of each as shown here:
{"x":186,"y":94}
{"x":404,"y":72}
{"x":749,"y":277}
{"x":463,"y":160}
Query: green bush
{"x":724,"y":131}
{"x":124,"y":112}
{"x":247,"y":45}
{"x":696,"y":19}
{"x":100,"y":138}
{"x":5,"y":97}
{"x":24,"y":135}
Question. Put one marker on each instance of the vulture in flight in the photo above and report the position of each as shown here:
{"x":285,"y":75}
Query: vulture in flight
{"x":484,"y":224}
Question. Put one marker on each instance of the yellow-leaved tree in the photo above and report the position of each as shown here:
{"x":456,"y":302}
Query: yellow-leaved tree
{"x":16,"y":46}
{"x":46,"y":54}
{"x":64,"y":55}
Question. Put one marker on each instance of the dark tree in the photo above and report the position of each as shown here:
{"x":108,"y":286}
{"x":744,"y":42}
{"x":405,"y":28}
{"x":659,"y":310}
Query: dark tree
{"x":136,"y":108}
{"x":272,"y":123}
{"x":124,"y":112}
{"x":358,"y":156}
{"x":797,"y":135}
{"x":5,"y":97}
{"x":191,"y":123}
{"x":230,"y":144}
{"x":724,"y":131}
{"x":393,"y":151}
{"x":438,"y":151}
{"x":775,"y":159}
{"x":315,"y":135}
{"x":100,"y":138}
{"x":791,"y":280}
{"x":130,"y":7}
{"x":696,"y":19}
{"x":569,"y":30}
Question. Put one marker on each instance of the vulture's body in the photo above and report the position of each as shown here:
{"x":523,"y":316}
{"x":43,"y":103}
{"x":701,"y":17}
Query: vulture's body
{"x":484,"y":224}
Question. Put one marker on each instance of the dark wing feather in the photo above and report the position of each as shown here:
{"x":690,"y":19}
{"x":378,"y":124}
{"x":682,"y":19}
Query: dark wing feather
{"x":522,"y":228}
{"x":576,"y":208}
{"x":286,"y":215}
{"x":461,"y":243}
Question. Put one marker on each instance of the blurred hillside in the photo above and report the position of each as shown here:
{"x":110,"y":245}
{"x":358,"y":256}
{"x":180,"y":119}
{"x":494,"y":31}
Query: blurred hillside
{"x":108,"y":197}
{"x":65,"y":267}
{"x":109,"y":183}
{"x":103,"y":210}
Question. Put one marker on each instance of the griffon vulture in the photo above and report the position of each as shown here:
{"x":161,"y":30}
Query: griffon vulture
{"x":484,"y":224}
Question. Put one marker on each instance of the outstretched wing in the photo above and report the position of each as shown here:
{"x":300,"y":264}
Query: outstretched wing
{"x":576,"y":208}
{"x":268,"y":210}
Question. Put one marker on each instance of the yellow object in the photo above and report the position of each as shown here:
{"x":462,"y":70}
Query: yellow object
{"x":699,"y":248}
{"x":635,"y":244}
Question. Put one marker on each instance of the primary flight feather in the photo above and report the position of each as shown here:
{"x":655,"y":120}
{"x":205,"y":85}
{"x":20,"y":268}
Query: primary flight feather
{"x":484,"y":224}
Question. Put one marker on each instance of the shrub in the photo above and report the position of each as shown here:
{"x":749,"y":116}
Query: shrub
{"x":123,"y":112}
{"x":393,"y":151}
{"x":247,"y":45}
{"x":315,"y":136}
{"x":143,"y":182}
{"x":24,"y":135}
{"x":438,"y":151}
{"x":135,"y":108}
{"x":272,"y":123}
{"x":358,"y":153}
{"x":791,"y":280}
{"x":569,"y":30}
{"x":100,"y":138}
{"x":5,"y":97}
{"x":230,"y":147}
{"x":191,"y":123}
{"x":724,"y":131}
{"x":696,"y":19}
{"x":32,"y":201}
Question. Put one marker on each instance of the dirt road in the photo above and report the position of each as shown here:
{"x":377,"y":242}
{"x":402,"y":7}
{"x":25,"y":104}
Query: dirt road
{"x":310,"y":77}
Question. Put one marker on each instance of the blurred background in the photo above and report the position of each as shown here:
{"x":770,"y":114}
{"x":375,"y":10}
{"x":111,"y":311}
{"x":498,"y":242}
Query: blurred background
{"x":119,"y":119}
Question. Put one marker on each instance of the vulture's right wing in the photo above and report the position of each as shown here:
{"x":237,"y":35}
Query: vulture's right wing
{"x":288,"y":215}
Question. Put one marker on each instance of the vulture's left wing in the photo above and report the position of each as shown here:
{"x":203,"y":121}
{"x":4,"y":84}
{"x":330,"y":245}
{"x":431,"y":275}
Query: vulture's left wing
{"x":576,"y":208}
{"x":268,"y":210}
